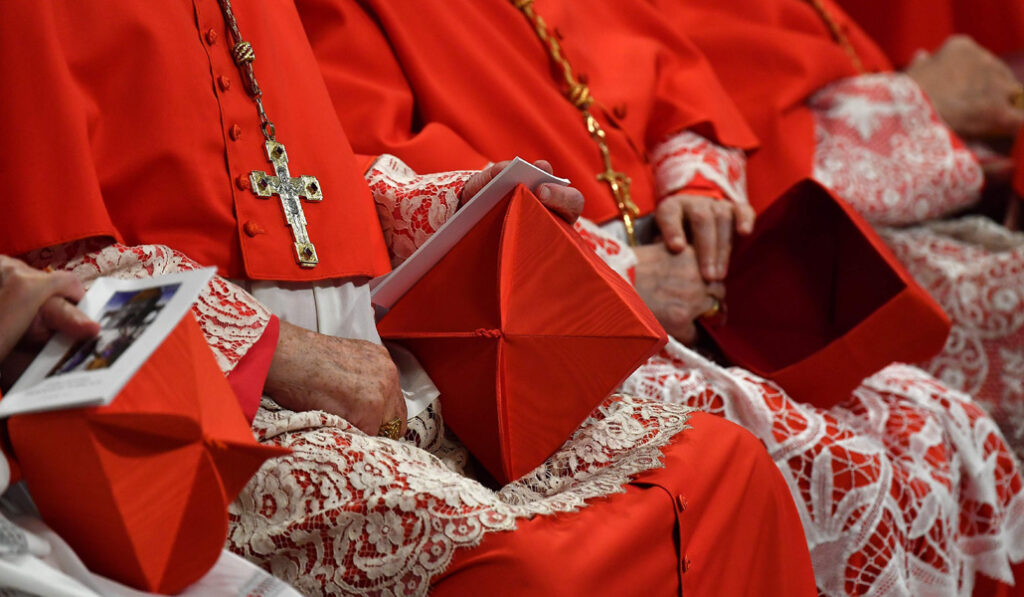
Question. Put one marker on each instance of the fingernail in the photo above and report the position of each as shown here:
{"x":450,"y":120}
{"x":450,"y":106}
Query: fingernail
{"x":544,"y":193}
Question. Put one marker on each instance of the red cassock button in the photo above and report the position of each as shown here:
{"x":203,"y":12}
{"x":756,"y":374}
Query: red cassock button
{"x":224,"y":83}
{"x":252,"y":228}
{"x":235,"y":132}
{"x":211,"y":37}
{"x":242,"y":182}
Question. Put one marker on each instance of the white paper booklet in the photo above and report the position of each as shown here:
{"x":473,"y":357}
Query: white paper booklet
{"x":387,"y":289}
{"x":134,"y":315}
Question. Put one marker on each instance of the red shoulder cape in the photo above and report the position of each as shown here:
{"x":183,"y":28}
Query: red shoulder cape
{"x":129,"y":120}
{"x":450,"y":85}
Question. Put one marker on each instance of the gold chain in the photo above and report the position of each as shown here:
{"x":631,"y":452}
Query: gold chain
{"x":838,"y":34}
{"x":579,"y":95}
{"x":244,"y":56}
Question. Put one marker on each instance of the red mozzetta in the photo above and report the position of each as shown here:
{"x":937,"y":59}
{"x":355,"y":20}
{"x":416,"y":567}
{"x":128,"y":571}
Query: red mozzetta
{"x":447,"y":85}
{"x":93,"y":156}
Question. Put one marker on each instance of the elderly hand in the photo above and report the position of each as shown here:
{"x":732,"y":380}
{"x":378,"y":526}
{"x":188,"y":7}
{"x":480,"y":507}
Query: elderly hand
{"x":711,"y":223}
{"x":566,"y":202}
{"x":971,"y":89}
{"x":34,"y":304}
{"x":354,"y":379}
{"x":673,"y":289}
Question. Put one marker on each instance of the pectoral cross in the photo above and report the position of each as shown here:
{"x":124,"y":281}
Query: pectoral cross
{"x":290,"y":191}
{"x":617,"y":181}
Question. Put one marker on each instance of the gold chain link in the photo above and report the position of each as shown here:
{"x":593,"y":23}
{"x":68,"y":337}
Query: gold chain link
{"x":244,"y":55}
{"x":579,"y":95}
{"x":838,"y":34}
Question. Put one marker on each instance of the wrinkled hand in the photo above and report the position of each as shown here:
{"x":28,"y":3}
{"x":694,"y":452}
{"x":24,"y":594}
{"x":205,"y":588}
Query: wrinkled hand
{"x":711,"y":224}
{"x":970,"y":88}
{"x":566,"y":202}
{"x":354,"y":379}
{"x":672,"y":287}
{"x":34,"y":304}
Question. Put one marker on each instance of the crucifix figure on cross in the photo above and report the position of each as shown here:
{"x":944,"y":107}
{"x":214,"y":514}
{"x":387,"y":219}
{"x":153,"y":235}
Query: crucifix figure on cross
{"x":290,"y":190}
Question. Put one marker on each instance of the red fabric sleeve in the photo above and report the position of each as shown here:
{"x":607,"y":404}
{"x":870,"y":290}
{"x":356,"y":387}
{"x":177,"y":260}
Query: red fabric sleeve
{"x":249,"y":375}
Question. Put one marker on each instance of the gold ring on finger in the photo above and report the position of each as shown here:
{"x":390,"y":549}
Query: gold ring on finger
{"x":713,"y":310}
{"x":1017,"y":98}
{"x":392,"y":429}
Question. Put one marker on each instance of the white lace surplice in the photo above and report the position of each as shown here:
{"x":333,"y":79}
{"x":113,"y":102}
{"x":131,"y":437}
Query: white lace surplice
{"x":882,"y":147}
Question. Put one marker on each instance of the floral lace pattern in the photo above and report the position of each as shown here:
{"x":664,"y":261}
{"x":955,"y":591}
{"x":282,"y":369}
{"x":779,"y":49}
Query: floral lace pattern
{"x":881,"y":146}
{"x":411,"y":206}
{"x":680,"y":158}
{"x":975,"y":269}
{"x":347,"y":513}
{"x":230,"y":318}
{"x":613,"y":252}
{"x":905,"y":489}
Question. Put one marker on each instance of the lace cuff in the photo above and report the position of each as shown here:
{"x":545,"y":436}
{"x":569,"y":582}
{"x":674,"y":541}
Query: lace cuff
{"x":411,"y":206}
{"x":882,"y":147}
{"x":232,"y":321}
{"x":685,"y":158}
{"x":610,"y":249}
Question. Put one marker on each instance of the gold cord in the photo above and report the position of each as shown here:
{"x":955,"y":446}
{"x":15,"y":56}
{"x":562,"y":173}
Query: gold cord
{"x":579,"y":95}
{"x":838,"y":34}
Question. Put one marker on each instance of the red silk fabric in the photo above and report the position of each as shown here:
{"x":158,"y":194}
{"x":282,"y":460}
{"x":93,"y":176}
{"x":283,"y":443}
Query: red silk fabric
{"x":151,"y":474}
{"x":131,"y":121}
{"x":719,"y":501}
{"x":901,"y":27}
{"x":484,"y":326}
{"x":771,"y":56}
{"x":850,"y":308}
{"x":453,"y":85}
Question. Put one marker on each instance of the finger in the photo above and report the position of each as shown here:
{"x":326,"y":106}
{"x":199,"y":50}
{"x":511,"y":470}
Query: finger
{"x":669,"y":216}
{"x":545,"y":166}
{"x":480,"y":179}
{"x":567,"y":202}
{"x":717,"y":290}
{"x":745,"y":219}
{"x":704,"y":227}
{"x":58,"y":315}
{"x":725,"y":223}
{"x":1008,"y":120}
{"x":919,"y":57}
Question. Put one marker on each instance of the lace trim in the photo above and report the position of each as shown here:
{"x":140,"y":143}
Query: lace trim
{"x":230,"y":318}
{"x":974,"y":268}
{"x":681,"y":157}
{"x":411,"y":206}
{"x":346,"y":513}
{"x":882,"y":147}
{"x":615,"y":253}
{"x":907,"y":488}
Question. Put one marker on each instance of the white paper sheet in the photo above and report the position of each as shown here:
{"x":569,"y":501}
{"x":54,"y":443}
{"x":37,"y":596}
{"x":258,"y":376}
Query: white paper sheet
{"x":387,"y":289}
{"x":135,"y":316}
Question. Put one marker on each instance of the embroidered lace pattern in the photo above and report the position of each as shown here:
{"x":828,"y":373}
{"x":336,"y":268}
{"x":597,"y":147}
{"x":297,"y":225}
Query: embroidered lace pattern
{"x":614,"y":253}
{"x":975,"y":269}
{"x":681,"y":157}
{"x":906,"y":489}
{"x":971,"y":266}
{"x":411,"y":206}
{"x":881,"y":146}
{"x":230,"y":318}
{"x":346,"y":513}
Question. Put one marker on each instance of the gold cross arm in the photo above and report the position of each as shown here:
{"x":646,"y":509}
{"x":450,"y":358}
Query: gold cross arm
{"x":290,"y":191}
